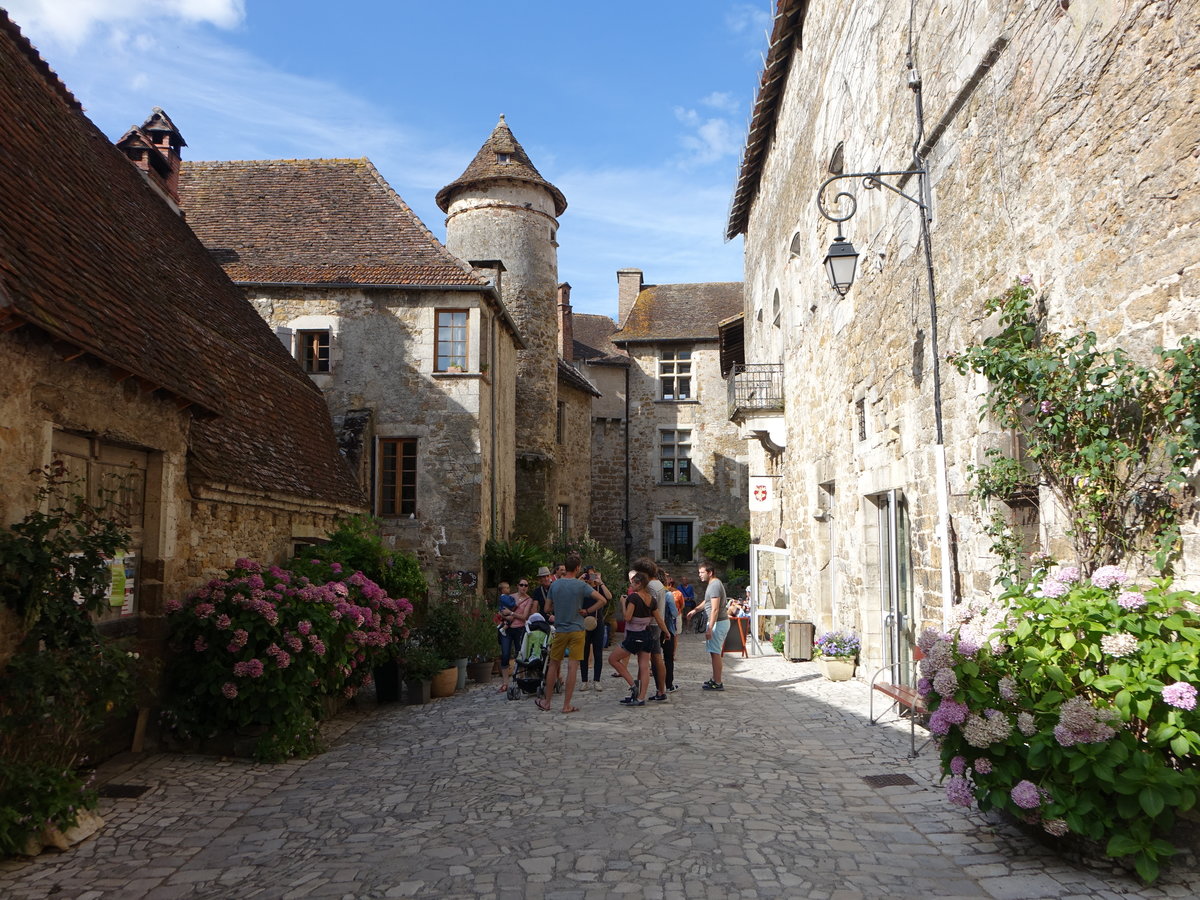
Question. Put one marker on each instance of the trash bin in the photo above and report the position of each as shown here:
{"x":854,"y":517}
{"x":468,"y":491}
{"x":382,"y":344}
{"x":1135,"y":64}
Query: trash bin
{"x":798,"y":642}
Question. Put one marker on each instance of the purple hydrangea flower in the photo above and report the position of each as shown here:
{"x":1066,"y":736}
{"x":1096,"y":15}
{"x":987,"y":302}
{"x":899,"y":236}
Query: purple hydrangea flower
{"x":1131,"y":600}
{"x":1108,"y":576}
{"x":1053,"y":588}
{"x":983,"y":766}
{"x":1026,"y":795}
{"x":958,"y":791}
{"x":229,"y":689}
{"x":1047,"y":407}
{"x":1181,"y":695}
{"x":958,"y":765}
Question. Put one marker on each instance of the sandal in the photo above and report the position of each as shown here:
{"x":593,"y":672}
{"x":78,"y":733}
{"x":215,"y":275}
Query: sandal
{"x":571,"y":709}
{"x":502,"y":689}
{"x":542,"y":705}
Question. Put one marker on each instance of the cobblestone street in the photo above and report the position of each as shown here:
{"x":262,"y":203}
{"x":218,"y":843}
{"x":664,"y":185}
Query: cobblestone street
{"x":754,"y":792}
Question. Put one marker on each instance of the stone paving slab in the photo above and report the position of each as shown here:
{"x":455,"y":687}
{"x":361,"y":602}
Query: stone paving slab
{"x":750,"y":793}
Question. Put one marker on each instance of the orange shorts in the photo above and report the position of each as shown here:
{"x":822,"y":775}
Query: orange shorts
{"x":568,"y":644}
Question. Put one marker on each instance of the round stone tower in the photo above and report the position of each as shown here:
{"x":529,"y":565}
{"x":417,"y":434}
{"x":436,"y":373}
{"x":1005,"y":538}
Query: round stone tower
{"x":502,"y":209}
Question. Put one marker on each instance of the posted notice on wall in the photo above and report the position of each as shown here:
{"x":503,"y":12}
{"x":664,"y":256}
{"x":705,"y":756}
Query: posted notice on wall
{"x":122,"y":571}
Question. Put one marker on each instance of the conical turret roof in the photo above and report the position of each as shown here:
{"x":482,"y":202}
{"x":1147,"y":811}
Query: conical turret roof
{"x":500,"y":158}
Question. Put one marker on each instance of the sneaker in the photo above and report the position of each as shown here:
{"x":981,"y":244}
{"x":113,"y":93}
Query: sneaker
{"x":632,"y":701}
{"x":713,"y":686}
{"x":659,"y":698}
{"x":708,"y":683}
{"x":585,"y":686}
{"x":596,"y":687}
{"x":636,"y":689}
{"x":672,"y":689}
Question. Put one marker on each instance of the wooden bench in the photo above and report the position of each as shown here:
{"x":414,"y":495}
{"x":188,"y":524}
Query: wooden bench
{"x":904,"y":698}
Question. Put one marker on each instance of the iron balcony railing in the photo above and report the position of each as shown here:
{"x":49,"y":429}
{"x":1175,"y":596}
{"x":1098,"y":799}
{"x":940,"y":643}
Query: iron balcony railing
{"x":755,"y":387}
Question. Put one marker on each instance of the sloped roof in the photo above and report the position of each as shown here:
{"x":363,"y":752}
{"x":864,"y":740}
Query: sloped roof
{"x":92,"y":256}
{"x":572,"y":377}
{"x":486,"y":166}
{"x":314,"y":221}
{"x":676,"y":312}
{"x":593,"y":340}
{"x":785,"y":37}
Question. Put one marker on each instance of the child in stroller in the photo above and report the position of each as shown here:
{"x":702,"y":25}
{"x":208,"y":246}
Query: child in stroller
{"x":530,"y":674}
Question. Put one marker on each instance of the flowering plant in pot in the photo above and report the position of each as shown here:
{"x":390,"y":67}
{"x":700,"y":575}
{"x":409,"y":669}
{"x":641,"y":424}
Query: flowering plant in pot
{"x":1070,"y":703}
{"x":838,"y":645}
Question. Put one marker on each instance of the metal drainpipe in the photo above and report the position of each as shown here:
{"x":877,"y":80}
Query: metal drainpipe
{"x":628,"y":533}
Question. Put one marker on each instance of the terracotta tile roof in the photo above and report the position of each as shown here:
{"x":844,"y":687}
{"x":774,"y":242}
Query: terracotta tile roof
{"x":785,"y":39}
{"x":675,"y":312}
{"x":314,"y":221}
{"x":572,"y":377}
{"x":593,"y":340}
{"x":487,"y":166}
{"x":92,"y":256}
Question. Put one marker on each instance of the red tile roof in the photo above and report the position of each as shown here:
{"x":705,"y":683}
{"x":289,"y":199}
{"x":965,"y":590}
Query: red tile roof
{"x":593,"y":340}
{"x":91,"y":255}
{"x":314,"y":221}
{"x":501,"y":158}
{"x":679,"y":312}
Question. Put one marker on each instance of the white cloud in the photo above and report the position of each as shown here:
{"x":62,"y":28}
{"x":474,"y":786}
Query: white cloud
{"x":722,"y":101}
{"x":745,"y":18}
{"x":709,"y":140}
{"x":71,"y":22}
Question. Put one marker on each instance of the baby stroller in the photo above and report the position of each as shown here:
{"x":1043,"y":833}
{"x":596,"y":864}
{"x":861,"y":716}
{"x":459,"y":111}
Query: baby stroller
{"x":529,"y":677}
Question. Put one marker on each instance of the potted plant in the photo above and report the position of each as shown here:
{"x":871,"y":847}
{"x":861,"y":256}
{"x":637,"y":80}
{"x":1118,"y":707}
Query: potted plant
{"x":442,"y":632}
{"x":419,"y":665}
{"x":837,"y":651}
{"x":479,"y":638}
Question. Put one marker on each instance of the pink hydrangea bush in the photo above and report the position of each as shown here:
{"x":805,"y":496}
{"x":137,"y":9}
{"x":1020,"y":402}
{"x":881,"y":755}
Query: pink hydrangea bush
{"x":263,"y":648}
{"x":1070,"y":702}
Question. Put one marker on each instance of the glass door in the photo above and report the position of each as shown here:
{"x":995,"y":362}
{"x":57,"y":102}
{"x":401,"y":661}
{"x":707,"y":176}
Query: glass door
{"x":895,"y":582}
{"x":769,"y":595}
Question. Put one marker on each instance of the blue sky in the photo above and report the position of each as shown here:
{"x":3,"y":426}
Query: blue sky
{"x":637,"y":111}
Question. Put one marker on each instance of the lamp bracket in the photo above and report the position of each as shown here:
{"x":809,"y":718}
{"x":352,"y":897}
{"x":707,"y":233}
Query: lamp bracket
{"x":870,"y":181}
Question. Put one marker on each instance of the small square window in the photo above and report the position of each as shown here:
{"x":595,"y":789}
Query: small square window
{"x":312,"y":350}
{"x":450,"y":350}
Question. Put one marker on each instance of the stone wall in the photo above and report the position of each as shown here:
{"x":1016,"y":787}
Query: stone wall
{"x":716,"y":493}
{"x":382,"y":374}
{"x":1062,"y":145}
{"x":573,"y":466}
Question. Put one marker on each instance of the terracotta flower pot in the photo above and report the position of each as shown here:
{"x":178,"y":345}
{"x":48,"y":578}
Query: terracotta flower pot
{"x":444,"y":682}
{"x":480,"y":672}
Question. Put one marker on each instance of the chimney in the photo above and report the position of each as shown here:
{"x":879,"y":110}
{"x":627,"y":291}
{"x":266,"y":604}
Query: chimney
{"x":629,"y":285}
{"x":566,"y":322}
{"x":154,"y":148}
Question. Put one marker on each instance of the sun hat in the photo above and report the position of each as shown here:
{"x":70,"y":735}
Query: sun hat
{"x":543,"y":572}
{"x":589,"y":623}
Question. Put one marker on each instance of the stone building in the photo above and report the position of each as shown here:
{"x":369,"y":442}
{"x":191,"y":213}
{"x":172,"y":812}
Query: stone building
{"x":1059,"y":140}
{"x":412,"y":347}
{"x":501,"y":210}
{"x":132,"y":358}
{"x":573,"y":482}
{"x":686,"y":463}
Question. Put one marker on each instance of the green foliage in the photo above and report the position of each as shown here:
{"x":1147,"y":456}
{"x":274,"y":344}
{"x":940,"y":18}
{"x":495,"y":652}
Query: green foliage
{"x":259,"y":651}
{"x":1071,"y":704}
{"x":420,"y":663}
{"x":736,"y":581}
{"x":54,"y":564}
{"x":1113,"y":441}
{"x":593,"y":553}
{"x":512,"y":560}
{"x":479,"y":632}
{"x":358,"y":546}
{"x":442,"y":630}
{"x":724,"y":544}
{"x":777,"y":641}
{"x":63,"y":682}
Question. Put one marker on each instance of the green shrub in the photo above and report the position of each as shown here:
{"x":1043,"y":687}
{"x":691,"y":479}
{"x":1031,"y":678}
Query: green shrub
{"x":357,"y":546}
{"x":260,"y":650}
{"x":777,"y":640}
{"x":1072,"y":704}
{"x":724,"y":544}
{"x":512,"y":560}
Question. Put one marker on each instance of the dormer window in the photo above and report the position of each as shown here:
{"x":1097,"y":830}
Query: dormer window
{"x":502,"y":158}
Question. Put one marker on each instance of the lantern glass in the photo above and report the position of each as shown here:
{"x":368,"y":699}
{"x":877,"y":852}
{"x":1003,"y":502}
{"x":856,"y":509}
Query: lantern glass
{"x":840,"y":264}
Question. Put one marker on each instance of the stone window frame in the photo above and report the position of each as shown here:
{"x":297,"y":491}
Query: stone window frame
{"x":456,"y":362}
{"x":289,"y":335}
{"x":674,"y":366}
{"x":401,"y":499}
{"x":677,"y":445}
